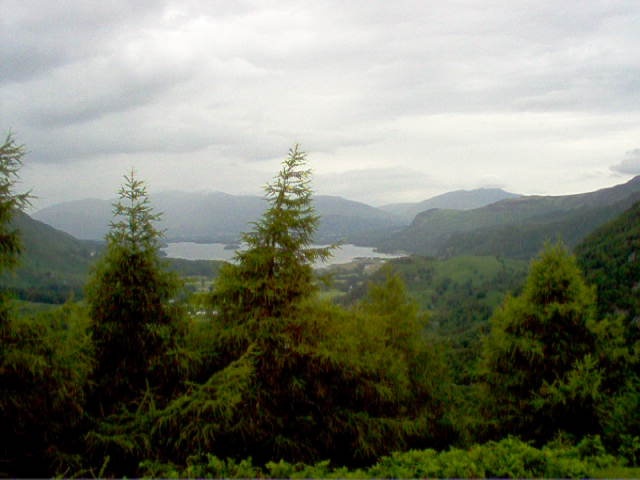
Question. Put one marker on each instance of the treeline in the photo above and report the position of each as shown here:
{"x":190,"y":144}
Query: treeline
{"x":272,"y":380}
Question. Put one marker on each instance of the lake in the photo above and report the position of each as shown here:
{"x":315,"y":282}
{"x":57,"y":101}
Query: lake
{"x":218,"y":251}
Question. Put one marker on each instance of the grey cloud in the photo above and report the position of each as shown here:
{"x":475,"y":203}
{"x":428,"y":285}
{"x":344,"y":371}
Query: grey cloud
{"x":81,"y":80}
{"x":630,"y":165}
{"x":38,"y":36}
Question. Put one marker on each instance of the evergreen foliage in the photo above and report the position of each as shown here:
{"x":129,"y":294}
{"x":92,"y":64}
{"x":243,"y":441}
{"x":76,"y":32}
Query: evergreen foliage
{"x":275,"y":270}
{"x":43,"y":373}
{"x":276,"y":382}
{"x":299,"y":378}
{"x":610,"y":258}
{"x":10,"y":203}
{"x":538,"y":360}
{"x":508,"y":458}
{"x":11,"y":155}
{"x":135,"y":327}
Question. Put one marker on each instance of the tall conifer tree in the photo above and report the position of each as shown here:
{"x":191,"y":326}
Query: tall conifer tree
{"x":134,"y":324}
{"x":276,"y":269}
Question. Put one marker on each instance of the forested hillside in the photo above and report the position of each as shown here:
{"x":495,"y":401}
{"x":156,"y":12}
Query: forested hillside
{"x":420,"y":367}
{"x":610,"y":257}
{"x":54,"y":265}
{"x":516,"y":228}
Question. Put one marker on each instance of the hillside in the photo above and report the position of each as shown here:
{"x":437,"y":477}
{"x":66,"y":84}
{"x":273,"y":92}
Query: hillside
{"x":217,"y":217}
{"x":456,"y":200}
{"x":515,"y":228}
{"x":610,"y":259}
{"x":53,"y":266}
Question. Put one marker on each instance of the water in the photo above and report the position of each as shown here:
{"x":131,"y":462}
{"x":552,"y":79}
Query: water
{"x":217,"y":251}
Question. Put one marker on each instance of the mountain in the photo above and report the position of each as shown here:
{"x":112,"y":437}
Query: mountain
{"x":217,"y":217}
{"x":456,"y":200}
{"x":610,"y":259}
{"x":515,"y":228}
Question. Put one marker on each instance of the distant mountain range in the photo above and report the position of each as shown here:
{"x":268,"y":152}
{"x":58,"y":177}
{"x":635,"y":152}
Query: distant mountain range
{"x":456,"y":200}
{"x":514,"y":228}
{"x":216,"y":217}
{"x":220,"y":217}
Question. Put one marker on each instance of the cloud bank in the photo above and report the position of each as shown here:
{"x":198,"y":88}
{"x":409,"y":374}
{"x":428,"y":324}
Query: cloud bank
{"x":452,"y":91}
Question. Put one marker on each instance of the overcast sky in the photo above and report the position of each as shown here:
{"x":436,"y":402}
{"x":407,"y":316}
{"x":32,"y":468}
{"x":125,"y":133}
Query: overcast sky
{"x":393,"y":101}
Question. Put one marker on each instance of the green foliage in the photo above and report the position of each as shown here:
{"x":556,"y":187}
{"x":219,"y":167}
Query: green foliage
{"x":459,"y":293}
{"x":135,"y":327}
{"x":620,"y":417}
{"x":267,"y":375}
{"x":43,"y":372}
{"x":275,"y":270}
{"x":610,"y":257}
{"x":537,"y":361}
{"x":298,"y":378}
{"x":53,"y":266}
{"x":10,"y":162}
{"x":508,"y":458}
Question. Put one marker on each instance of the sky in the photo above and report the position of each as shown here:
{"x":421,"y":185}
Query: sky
{"x":392,"y":101}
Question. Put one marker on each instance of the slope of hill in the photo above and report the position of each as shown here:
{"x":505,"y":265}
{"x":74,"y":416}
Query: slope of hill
{"x":456,"y":200}
{"x":515,"y":227}
{"x":217,"y":217}
{"x":53,"y":265}
{"x":610,"y":259}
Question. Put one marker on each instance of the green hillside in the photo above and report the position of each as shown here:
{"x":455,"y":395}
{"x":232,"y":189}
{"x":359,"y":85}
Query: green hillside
{"x":53,"y":266}
{"x":459,"y":293}
{"x":516,"y":227}
{"x":610,"y":258}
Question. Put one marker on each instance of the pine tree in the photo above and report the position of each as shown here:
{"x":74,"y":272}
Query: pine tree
{"x":135,"y":327}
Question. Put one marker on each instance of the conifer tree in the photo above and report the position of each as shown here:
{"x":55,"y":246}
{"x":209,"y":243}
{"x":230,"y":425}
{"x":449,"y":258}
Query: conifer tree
{"x":275,"y":271}
{"x":296,"y":377}
{"x":135,"y":327}
{"x":539,"y":360}
{"x":10,"y":162}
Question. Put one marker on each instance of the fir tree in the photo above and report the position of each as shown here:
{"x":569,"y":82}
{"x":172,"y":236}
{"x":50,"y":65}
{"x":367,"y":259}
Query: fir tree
{"x":134,"y":324}
{"x":275,"y":271}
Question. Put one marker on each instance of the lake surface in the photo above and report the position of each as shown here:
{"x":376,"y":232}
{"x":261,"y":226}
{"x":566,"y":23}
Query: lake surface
{"x":217,"y":251}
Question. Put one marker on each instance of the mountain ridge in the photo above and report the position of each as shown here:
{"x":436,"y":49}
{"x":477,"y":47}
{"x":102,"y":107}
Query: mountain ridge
{"x":519,"y":225}
{"x":217,"y":216}
{"x":454,"y":200}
